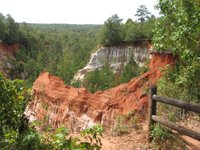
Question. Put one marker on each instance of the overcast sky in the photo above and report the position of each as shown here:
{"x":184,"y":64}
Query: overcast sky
{"x":72,"y":11}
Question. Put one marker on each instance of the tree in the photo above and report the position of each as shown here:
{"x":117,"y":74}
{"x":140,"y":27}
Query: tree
{"x":178,"y":31}
{"x":99,"y":79}
{"x":135,"y":31}
{"x":130,"y":70}
{"x":12,"y":30}
{"x":111,"y":32}
{"x":130,"y":31}
{"x":142,"y":13}
{"x":2,"y":28}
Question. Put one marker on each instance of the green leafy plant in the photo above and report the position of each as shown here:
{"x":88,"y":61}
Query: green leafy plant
{"x":99,"y":79}
{"x":111,"y":31}
{"x":13,"y":100}
{"x":93,"y":134}
{"x":164,"y":139}
{"x":178,"y":31}
{"x":159,"y":133}
{"x":60,"y":139}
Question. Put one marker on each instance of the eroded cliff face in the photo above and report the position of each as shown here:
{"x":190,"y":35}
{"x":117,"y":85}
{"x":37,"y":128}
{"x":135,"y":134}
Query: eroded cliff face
{"x":6,"y":55}
{"x":56,"y":103}
{"x":116,"y":57}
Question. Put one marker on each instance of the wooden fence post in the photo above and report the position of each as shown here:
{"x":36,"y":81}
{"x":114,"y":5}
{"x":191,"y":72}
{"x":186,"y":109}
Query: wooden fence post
{"x":152,"y":110}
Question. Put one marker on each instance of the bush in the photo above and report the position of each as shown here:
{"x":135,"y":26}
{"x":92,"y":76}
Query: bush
{"x":159,"y":133}
{"x":60,"y":139}
{"x":13,"y":100}
{"x":178,"y":31}
{"x":164,"y":139}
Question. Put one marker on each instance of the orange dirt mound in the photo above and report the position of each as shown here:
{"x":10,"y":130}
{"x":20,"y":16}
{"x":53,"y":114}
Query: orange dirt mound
{"x":78,"y":108}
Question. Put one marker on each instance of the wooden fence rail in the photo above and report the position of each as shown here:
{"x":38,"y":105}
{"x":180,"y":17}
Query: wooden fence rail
{"x":154,"y":98}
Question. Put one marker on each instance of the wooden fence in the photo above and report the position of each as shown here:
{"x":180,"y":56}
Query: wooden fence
{"x":154,"y":98}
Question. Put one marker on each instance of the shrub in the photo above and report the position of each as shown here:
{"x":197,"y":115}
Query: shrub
{"x":120,"y":127}
{"x":164,"y":139}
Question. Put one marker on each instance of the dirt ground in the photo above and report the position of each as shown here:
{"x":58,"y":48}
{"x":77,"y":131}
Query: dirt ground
{"x":138,"y":139}
{"x":132,"y":141}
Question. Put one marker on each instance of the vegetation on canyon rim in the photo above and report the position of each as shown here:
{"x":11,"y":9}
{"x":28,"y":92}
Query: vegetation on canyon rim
{"x":63,"y":49}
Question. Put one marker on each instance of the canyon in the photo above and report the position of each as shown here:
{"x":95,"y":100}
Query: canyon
{"x":55,"y":103}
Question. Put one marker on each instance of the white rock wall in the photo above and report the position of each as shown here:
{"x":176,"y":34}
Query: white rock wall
{"x":116,"y":57}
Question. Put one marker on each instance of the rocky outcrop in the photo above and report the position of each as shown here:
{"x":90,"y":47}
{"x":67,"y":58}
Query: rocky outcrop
{"x":56,"y":103}
{"x":116,"y":57}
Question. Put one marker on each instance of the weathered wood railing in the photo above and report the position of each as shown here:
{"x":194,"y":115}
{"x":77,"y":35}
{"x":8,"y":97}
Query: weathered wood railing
{"x":154,"y":98}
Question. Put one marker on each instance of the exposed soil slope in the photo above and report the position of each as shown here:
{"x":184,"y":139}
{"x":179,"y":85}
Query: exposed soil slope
{"x":6,"y":54}
{"x":56,"y":103}
{"x":8,"y":49}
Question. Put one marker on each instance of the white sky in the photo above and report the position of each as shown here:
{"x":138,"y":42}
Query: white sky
{"x":72,"y":11}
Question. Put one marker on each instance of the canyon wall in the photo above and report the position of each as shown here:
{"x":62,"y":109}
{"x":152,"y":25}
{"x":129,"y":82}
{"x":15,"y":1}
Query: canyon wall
{"x":116,"y":57}
{"x":6,"y":55}
{"x":56,"y":103}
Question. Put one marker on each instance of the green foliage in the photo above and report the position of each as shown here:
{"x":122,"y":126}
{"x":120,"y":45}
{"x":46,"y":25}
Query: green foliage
{"x":60,"y":139}
{"x":10,"y":32}
{"x":130,"y":31}
{"x":114,"y":32}
{"x":13,"y":100}
{"x":99,"y":79}
{"x":136,"y":31}
{"x":142,"y":13}
{"x":130,"y":70}
{"x":164,"y":139}
{"x":32,"y":140}
{"x":172,"y":89}
{"x":60,"y":49}
{"x":2,"y":27}
{"x":63,"y":49}
{"x":159,"y":133}
{"x":111,"y":31}
{"x":93,"y":134}
{"x":178,"y":31}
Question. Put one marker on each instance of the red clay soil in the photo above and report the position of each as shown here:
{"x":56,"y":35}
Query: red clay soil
{"x":77,"y":108}
{"x":6,"y":49}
